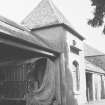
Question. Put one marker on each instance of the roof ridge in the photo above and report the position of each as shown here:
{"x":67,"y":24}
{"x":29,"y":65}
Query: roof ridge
{"x":54,"y":9}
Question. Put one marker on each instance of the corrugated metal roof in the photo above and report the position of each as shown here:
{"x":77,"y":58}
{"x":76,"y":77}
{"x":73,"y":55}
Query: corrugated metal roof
{"x":94,"y":57}
{"x":93,"y":68}
{"x":15,"y":32}
{"x":90,"y":51}
{"x":98,"y":60}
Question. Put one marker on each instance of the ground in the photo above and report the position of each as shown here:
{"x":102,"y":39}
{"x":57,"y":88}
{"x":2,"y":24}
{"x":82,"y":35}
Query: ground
{"x":102,"y":102}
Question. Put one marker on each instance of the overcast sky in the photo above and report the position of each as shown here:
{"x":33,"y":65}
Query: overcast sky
{"x":76,"y":11}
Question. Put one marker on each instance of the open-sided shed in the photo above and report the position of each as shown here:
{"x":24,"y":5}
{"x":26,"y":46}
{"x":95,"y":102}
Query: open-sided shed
{"x":31,"y":73}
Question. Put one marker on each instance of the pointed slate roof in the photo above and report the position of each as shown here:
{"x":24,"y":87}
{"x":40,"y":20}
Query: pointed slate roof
{"x":43,"y":15}
{"x":46,"y":14}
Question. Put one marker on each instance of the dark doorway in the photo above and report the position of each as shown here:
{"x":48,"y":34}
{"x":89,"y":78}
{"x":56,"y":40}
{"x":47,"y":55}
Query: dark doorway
{"x":13,"y":72}
{"x":89,"y":87}
{"x":102,"y":88}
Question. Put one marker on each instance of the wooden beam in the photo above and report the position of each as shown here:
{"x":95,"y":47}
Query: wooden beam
{"x":19,"y":45}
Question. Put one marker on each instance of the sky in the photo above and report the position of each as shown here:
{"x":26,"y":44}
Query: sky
{"x":77,"y":13}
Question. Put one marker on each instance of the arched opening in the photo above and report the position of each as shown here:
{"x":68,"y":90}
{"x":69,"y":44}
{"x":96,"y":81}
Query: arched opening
{"x":77,"y":74}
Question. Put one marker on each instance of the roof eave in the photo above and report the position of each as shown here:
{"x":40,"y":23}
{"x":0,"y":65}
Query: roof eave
{"x":73,"y":31}
{"x":20,"y":43}
{"x":67,"y":27}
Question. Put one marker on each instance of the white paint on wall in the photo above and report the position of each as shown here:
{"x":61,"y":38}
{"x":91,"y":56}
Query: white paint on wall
{"x":81,"y":94}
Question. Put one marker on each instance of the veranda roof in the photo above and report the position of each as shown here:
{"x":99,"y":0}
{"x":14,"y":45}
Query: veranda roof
{"x":94,"y":57}
{"x":11,"y":29}
{"x":90,"y":51}
{"x":93,"y":68}
{"x":98,"y":60}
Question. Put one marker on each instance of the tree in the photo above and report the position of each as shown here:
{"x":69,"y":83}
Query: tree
{"x":99,"y":13}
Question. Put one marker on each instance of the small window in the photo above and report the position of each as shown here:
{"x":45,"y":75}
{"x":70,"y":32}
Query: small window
{"x":77,"y":74}
{"x":74,"y":50}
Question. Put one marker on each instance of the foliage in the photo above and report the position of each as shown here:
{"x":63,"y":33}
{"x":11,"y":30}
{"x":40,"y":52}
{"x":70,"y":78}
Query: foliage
{"x":99,"y":13}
